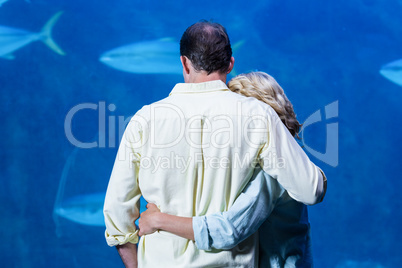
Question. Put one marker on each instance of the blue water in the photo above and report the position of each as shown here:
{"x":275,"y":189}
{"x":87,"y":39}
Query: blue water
{"x":321,"y":52}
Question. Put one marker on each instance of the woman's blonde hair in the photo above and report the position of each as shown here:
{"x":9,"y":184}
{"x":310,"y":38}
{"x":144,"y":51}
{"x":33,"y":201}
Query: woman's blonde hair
{"x":264,"y":87}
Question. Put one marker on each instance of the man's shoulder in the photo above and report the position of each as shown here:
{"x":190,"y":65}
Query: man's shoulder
{"x":145,"y":111}
{"x":246,"y":106}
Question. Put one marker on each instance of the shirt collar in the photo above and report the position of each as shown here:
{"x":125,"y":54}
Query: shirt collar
{"x":210,"y":86}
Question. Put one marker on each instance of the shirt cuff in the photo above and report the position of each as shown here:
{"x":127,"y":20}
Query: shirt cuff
{"x":120,"y":240}
{"x":201,"y":234}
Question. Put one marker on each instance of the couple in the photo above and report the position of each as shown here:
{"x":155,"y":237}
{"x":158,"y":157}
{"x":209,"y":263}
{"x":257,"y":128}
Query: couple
{"x":216,"y":164}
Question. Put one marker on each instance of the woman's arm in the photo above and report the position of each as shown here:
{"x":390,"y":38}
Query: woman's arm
{"x":221,"y":230}
{"x":153,"y":220}
{"x":252,"y":207}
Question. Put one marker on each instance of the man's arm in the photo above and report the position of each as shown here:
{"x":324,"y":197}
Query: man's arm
{"x":128,"y":254}
{"x":121,"y":207}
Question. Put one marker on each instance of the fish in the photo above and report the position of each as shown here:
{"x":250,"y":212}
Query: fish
{"x":82,"y":167}
{"x":87,"y":209}
{"x":83,"y":209}
{"x":160,"y":56}
{"x":12,"y":39}
{"x":393,"y":71}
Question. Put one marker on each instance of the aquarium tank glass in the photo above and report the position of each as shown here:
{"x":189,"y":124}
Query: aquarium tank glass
{"x":72,"y":73}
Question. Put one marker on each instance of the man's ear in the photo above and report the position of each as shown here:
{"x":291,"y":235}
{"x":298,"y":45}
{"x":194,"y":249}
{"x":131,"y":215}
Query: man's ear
{"x":232,"y":60}
{"x":185,"y":62}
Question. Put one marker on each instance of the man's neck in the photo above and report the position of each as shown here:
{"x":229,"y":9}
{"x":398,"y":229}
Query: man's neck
{"x":200,"y":77}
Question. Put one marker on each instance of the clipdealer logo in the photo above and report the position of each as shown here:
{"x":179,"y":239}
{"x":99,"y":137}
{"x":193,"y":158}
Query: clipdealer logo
{"x":106,"y":125}
{"x":331,"y":154}
{"x":111,"y":128}
{"x":190,"y":129}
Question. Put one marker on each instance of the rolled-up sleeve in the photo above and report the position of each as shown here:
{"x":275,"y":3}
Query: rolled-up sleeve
{"x":121,"y":207}
{"x":201,"y":233}
{"x":283,"y":159}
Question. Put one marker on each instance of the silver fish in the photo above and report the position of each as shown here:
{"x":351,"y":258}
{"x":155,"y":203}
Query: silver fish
{"x":160,"y":56}
{"x":81,"y":169}
{"x":83,"y":209}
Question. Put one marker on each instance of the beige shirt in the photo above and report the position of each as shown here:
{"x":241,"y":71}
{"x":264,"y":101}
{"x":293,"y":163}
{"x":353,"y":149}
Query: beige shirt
{"x":192,"y":154}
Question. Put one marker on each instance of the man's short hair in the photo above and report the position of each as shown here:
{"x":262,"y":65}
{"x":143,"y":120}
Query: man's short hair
{"x":207,"y":46}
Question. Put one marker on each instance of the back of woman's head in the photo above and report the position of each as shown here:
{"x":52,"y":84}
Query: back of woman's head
{"x":264,"y":87}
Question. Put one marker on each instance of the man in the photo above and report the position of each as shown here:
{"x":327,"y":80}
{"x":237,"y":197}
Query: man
{"x":192,"y":154}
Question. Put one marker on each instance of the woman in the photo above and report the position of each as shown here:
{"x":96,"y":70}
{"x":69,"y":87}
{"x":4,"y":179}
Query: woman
{"x":264,"y":205}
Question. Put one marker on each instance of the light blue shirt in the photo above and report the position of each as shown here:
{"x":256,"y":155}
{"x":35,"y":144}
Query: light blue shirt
{"x":264,"y":205}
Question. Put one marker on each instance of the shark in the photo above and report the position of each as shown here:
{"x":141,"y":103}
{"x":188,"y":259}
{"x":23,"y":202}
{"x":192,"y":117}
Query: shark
{"x":160,"y":56}
{"x":12,"y":39}
{"x":393,"y":71}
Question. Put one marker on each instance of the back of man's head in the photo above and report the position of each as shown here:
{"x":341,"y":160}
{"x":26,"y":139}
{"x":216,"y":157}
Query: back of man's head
{"x":207,"y":46}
